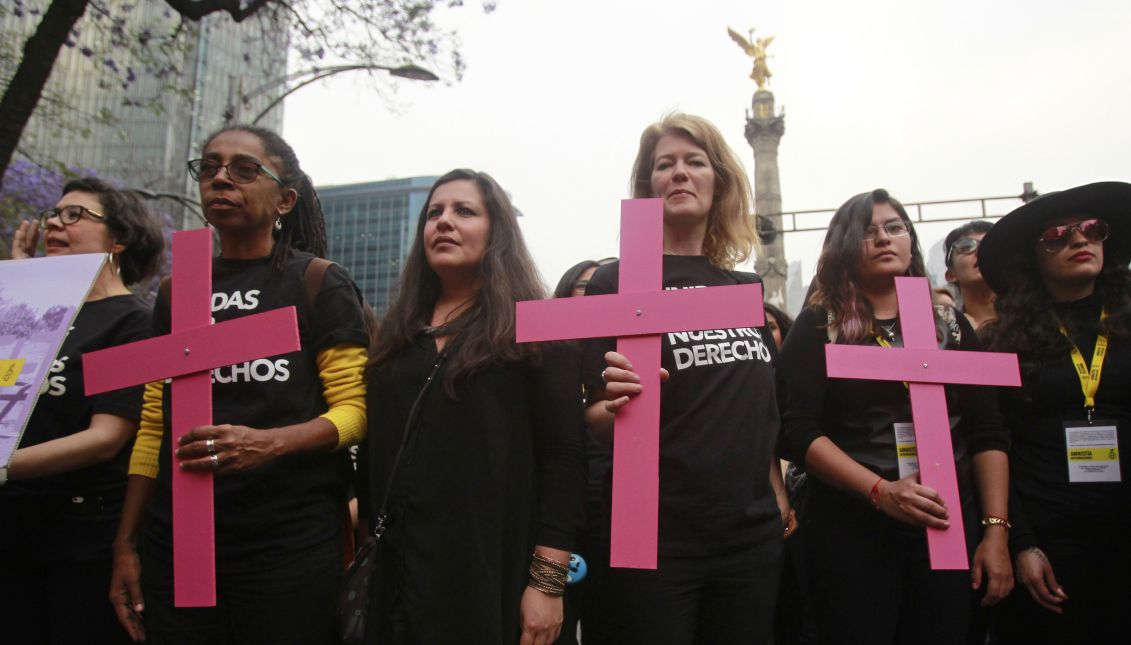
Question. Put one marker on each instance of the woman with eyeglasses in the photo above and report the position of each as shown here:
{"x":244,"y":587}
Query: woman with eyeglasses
{"x":865,"y":548}
{"x":1059,"y":267}
{"x":66,"y":482}
{"x":961,"y":247}
{"x":280,"y":422}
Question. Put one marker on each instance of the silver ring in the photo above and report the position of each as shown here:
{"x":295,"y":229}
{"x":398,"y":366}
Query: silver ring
{"x":603,"y":378}
{"x":215,"y":461}
{"x":211,"y":445}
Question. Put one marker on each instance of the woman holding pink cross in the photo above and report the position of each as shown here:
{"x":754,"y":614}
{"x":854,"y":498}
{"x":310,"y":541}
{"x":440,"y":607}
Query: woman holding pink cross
{"x":723,"y":510}
{"x":864,"y":547}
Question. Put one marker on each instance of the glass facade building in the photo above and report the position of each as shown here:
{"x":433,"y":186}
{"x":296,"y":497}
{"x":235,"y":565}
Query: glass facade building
{"x":369,"y":228}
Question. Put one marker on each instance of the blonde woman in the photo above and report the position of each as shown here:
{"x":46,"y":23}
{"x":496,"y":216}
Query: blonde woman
{"x":722,"y":503}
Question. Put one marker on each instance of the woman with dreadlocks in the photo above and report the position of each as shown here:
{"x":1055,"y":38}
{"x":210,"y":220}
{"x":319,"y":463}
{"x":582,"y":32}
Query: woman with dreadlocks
{"x":281,"y":422}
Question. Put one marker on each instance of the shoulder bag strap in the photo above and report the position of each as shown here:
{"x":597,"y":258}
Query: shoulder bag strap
{"x":383,"y":510}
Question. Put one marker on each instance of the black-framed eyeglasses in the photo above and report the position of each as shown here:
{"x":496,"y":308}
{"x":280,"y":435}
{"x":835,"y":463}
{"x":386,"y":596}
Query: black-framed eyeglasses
{"x":965,"y":246}
{"x":893,"y":228}
{"x":240,"y":171}
{"x":69,"y":214}
{"x":1056,"y":238}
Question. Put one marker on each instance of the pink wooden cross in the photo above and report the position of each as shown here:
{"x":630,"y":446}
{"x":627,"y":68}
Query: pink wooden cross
{"x":188,"y":354}
{"x":924,"y":367}
{"x":637,"y":315}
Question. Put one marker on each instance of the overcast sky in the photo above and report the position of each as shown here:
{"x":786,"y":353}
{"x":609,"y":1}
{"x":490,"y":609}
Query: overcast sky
{"x":940,"y":100}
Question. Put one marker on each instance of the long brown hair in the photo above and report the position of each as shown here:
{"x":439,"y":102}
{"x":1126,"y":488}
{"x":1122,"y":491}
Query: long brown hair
{"x":484,"y":333}
{"x":834,"y":285}
{"x":731,"y":237}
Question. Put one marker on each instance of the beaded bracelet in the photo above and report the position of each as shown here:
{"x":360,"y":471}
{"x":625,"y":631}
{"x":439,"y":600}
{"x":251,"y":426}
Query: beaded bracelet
{"x":547,"y":575}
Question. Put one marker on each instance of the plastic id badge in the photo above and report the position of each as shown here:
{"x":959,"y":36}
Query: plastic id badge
{"x":905,"y":449}
{"x":1093,"y":451}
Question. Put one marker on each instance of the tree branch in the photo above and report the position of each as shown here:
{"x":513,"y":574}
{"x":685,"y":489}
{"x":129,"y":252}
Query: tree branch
{"x":197,"y":9}
{"x":255,"y":5}
{"x":26,"y":87}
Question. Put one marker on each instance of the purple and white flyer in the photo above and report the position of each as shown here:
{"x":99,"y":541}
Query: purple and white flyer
{"x":39,"y":298}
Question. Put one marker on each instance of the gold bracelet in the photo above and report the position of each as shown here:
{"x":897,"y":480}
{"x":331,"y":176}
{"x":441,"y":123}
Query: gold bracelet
{"x":548,"y":576}
{"x":991,"y":520}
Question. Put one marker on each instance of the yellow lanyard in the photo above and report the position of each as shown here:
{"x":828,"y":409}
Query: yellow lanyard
{"x":1089,"y":379}
{"x":883,"y":342}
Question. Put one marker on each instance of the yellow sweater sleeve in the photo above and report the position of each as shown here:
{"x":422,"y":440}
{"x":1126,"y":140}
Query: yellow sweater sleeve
{"x":342,"y":371}
{"x":143,"y":459}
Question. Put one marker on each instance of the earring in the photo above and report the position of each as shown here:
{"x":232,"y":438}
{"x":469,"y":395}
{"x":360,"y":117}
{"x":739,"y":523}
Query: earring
{"x":114,"y":264}
{"x":279,"y":223}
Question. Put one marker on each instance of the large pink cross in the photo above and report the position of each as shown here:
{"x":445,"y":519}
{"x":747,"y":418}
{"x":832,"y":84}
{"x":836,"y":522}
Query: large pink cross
{"x":188,"y":354}
{"x":637,"y":315}
{"x":925,"y":368}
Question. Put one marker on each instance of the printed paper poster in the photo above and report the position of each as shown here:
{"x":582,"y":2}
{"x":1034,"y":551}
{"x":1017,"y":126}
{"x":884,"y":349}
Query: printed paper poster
{"x":39,"y":298}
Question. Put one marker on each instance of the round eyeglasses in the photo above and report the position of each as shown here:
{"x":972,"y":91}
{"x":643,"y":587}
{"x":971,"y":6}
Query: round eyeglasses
{"x":240,"y":171}
{"x":69,"y":215}
{"x":893,"y":228}
{"x":965,"y":246}
{"x":1056,"y":238}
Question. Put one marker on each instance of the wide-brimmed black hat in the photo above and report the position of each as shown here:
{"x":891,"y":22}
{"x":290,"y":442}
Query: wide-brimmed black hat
{"x":1004,"y":248}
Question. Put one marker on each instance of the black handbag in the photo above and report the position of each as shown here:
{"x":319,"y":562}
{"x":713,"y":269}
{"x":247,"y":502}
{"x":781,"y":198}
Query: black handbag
{"x":351,"y":619}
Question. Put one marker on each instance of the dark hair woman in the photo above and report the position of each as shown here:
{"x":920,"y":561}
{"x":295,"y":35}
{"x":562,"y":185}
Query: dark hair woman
{"x":575,"y":279}
{"x":280,"y":478}
{"x":1059,"y":267}
{"x":480,"y":511}
{"x":865,"y":550}
{"x":68,"y":478}
{"x":779,"y":323}
{"x":722,"y":502}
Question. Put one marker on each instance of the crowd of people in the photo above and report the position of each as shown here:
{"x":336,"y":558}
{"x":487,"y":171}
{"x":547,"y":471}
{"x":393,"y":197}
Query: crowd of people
{"x":789,"y":511}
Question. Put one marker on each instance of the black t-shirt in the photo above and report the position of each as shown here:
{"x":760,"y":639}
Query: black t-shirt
{"x":718,"y":421}
{"x":63,"y":408}
{"x":296,"y":502}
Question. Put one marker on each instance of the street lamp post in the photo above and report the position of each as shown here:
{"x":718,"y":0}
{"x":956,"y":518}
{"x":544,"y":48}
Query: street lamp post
{"x":308,"y":76}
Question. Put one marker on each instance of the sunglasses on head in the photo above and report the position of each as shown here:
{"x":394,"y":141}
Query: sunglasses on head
{"x":1056,"y":238}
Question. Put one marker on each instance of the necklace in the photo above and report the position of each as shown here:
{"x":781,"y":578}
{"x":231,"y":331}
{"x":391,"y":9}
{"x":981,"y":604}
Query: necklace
{"x":889,"y":330}
{"x":432,"y":330}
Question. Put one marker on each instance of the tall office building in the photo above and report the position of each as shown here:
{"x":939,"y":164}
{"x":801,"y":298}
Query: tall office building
{"x":150,"y":132}
{"x":370,"y":227}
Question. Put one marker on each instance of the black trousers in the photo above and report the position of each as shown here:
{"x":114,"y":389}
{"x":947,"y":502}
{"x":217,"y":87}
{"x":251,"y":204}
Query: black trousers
{"x":718,"y":600}
{"x":55,"y":571}
{"x":283,"y":603}
{"x":1093,"y":566}
{"x":870,"y":577}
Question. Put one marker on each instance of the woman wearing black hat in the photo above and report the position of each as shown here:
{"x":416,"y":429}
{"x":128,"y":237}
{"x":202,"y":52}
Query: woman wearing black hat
{"x":1066,"y":254}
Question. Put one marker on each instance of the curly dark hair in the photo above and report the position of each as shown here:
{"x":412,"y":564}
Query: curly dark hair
{"x":1024,"y":324}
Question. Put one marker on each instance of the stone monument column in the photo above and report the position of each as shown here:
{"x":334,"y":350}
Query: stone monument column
{"x":764,"y":130}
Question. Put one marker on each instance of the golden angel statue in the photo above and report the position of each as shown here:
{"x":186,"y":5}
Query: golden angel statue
{"x":757,"y":51}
